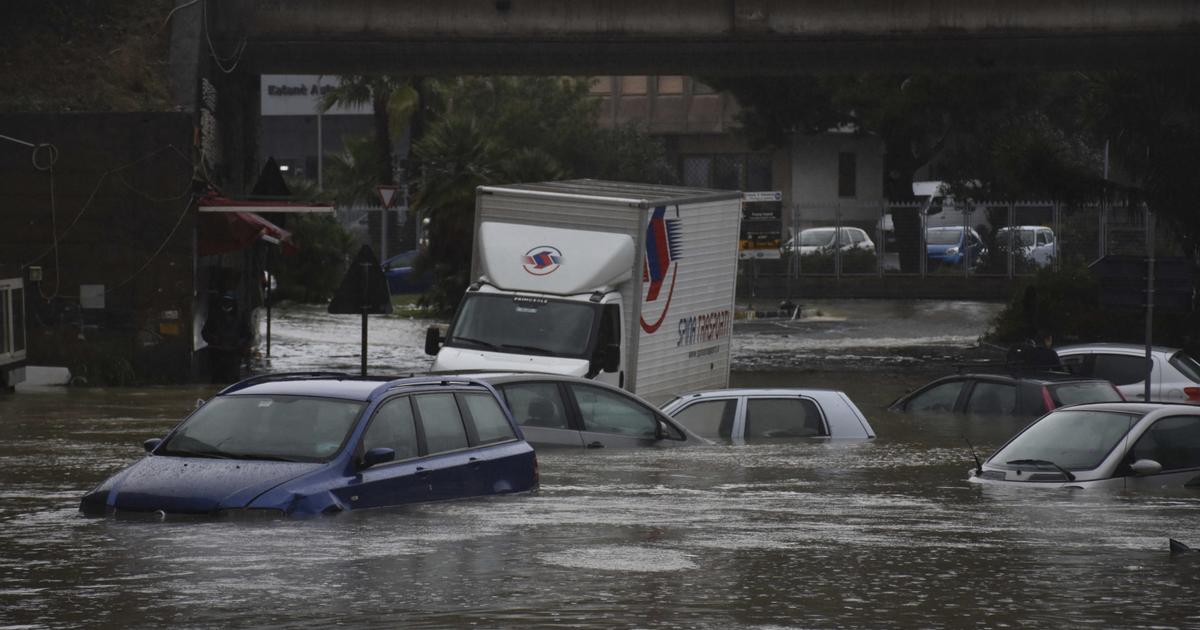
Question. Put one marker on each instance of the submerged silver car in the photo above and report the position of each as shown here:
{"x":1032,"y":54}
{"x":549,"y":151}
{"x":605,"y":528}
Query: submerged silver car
{"x":1119,"y":446}
{"x":756,"y":414}
{"x":1175,"y":375}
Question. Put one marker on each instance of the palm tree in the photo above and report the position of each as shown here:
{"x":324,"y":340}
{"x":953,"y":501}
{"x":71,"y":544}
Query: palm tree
{"x":394,"y":104}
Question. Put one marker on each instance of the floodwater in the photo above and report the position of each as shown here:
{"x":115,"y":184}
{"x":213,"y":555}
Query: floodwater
{"x":878,"y":534}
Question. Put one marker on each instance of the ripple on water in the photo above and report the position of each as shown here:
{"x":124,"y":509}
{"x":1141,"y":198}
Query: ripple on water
{"x":623,"y":558}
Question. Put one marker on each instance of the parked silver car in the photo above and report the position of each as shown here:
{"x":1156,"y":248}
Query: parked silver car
{"x":565,"y":411}
{"x":1119,"y":446}
{"x":756,"y":414}
{"x":824,"y":240}
{"x":1175,"y":376}
{"x":1034,"y":242}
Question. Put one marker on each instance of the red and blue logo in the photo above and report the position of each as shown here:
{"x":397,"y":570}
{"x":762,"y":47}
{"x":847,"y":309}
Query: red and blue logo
{"x":542,"y":260}
{"x":662,"y":261}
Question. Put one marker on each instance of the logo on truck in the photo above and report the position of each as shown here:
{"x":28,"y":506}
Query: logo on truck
{"x":542,"y":260}
{"x":662,"y":259}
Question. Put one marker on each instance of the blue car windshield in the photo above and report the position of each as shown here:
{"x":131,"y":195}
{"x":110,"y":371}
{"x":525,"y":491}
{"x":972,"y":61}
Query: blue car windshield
{"x":1075,"y":440}
{"x":520,"y":325}
{"x":282,"y":428}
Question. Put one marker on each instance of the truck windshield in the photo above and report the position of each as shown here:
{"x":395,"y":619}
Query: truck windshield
{"x":521,"y":325}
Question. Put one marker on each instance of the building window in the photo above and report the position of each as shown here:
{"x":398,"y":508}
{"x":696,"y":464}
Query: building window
{"x":601,"y":85}
{"x":633,"y":85}
{"x":670,"y":85}
{"x":727,"y":171}
{"x":847,"y":174}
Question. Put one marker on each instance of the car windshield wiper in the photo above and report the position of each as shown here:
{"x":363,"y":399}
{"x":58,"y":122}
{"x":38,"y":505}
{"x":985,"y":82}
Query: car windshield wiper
{"x":529,"y":348}
{"x":184,"y":452}
{"x":478,"y":342}
{"x":269,"y":458}
{"x":1043,"y":462}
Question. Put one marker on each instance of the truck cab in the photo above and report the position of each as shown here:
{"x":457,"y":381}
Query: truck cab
{"x":575,"y":335}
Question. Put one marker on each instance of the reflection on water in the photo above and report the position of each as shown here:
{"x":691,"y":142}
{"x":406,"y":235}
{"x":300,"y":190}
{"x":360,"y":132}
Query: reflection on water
{"x":812,"y":534}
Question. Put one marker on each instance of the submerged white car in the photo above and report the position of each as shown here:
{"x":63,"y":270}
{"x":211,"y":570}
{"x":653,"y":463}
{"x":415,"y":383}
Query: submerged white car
{"x":752,"y":415}
{"x":1118,"y":446}
{"x":1175,"y":375}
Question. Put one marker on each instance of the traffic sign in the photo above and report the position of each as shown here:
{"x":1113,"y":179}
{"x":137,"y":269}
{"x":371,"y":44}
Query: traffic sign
{"x":387,"y":195}
{"x":364,"y":288}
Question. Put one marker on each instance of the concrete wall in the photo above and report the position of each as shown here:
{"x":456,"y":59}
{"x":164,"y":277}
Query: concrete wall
{"x":698,"y":36}
{"x":117,"y":285}
{"x":815,"y":176}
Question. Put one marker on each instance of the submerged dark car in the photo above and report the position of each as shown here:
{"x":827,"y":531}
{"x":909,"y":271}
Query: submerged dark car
{"x":306,"y":444}
{"x":1022,"y":395}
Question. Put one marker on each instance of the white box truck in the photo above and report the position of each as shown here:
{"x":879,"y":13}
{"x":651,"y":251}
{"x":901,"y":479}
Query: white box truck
{"x":631,"y":284}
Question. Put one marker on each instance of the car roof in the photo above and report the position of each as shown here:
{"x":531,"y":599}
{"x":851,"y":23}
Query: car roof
{"x":1136,"y":407}
{"x":1115,"y":346}
{"x":758,"y":391}
{"x":1031,"y":377}
{"x":332,"y":385}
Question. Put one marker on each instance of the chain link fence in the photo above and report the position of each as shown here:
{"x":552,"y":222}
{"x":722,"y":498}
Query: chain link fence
{"x":949,"y":239}
{"x":388,"y":232}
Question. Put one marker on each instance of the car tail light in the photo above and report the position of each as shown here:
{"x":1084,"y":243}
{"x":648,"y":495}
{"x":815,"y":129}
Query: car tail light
{"x":1047,"y":398}
{"x":1192,"y":393}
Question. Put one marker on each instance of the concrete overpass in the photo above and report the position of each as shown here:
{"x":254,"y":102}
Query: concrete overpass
{"x":698,"y":36}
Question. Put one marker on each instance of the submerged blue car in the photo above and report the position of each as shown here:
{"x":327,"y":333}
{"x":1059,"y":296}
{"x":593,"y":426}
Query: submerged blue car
{"x":322,"y":443}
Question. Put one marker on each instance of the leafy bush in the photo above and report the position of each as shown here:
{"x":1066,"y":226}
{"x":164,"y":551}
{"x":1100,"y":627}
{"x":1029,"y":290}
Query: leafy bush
{"x":1067,"y":303}
{"x":314,"y":273}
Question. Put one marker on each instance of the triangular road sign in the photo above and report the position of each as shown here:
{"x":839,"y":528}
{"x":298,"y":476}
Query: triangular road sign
{"x":364,"y":289}
{"x":387,"y":195}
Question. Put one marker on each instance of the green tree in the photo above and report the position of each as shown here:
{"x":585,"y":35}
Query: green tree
{"x":350,"y":176}
{"x":1151,"y":122}
{"x":314,"y":273}
{"x":395,"y":103}
{"x":991,"y":135}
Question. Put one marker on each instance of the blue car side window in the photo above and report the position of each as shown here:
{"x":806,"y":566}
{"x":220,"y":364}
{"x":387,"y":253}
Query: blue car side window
{"x":441,"y":422}
{"x":393,"y":427}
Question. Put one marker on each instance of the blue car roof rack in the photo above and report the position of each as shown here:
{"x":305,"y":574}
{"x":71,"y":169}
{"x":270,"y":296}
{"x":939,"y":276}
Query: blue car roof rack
{"x":283,"y":376}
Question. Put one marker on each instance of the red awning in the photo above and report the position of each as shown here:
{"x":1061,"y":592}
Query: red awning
{"x":224,"y":232}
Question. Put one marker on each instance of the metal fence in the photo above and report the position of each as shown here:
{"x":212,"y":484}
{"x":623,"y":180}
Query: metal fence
{"x":964,"y":240}
{"x":388,"y":233}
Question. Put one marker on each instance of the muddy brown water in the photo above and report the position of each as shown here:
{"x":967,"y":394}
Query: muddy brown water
{"x":808,"y":534}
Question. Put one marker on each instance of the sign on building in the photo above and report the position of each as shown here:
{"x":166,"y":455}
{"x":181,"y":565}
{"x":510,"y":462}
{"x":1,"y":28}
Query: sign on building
{"x":762,"y":225}
{"x":300,"y":95}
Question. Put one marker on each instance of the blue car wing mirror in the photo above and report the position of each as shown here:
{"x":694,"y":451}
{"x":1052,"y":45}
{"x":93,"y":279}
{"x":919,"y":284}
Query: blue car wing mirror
{"x":377,"y":456}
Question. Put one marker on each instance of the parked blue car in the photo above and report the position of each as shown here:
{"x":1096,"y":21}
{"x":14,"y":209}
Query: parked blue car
{"x":950,"y":246}
{"x":400,"y":275}
{"x":322,"y":443}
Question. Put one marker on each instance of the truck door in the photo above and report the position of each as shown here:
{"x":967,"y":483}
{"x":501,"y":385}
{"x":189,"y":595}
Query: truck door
{"x":609,"y":334}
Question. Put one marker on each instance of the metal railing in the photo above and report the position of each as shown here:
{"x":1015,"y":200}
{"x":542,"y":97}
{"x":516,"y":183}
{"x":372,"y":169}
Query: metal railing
{"x":1009,"y":239}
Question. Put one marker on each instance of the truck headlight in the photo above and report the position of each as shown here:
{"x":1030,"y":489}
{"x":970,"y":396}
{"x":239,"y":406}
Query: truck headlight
{"x":952,"y":251}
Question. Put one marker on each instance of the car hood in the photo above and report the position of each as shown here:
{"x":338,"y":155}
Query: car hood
{"x":463,"y":359}
{"x":192,"y":485}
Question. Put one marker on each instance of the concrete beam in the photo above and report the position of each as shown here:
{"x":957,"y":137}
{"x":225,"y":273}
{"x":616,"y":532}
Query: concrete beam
{"x":701,"y":36}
